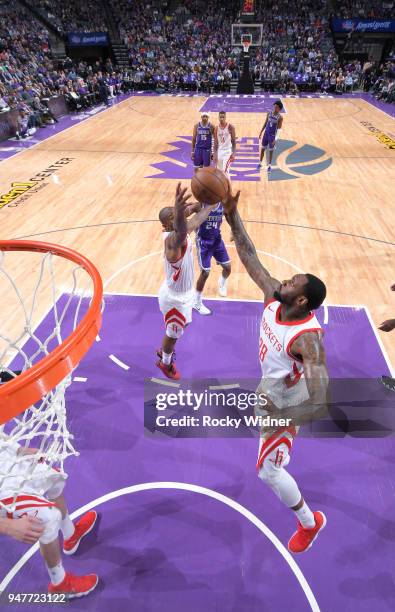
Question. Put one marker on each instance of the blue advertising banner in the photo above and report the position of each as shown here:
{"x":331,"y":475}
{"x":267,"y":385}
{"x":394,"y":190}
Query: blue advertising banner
{"x":363,"y":25}
{"x":87,"y":38}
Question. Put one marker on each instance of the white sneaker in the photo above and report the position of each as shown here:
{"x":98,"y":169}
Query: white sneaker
{"x":222,"y":290}
{"x":201,"y":308}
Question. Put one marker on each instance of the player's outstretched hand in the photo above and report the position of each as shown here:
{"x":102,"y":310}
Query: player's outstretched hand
{"x":182,"y":197}
{"x":388,"y":325}
{"x":231,"y":201}
{"x":27,"y":529}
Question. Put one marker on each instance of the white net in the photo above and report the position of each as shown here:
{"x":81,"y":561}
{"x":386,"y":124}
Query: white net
{"x":47,"y":296}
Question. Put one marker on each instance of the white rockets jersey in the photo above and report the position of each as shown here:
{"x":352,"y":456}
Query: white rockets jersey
{"x":181,"y":274}
{"x":275,"y":341}
{"x":224,"y":138}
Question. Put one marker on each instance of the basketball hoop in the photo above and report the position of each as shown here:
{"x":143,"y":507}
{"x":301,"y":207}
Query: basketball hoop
{"x":246,"y":41}
{"x":39,"y":351}
{"x":246,"y":45}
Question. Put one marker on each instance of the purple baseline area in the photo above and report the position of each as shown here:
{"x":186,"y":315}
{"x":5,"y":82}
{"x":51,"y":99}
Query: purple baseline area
{"x":171,"y":550}
{"x":250,"y":103}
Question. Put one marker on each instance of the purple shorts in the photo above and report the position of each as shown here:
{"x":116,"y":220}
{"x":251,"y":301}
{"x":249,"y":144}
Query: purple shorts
{"x":268,"y":140}
{"x":206,"y":249}
{"x":202,"y":157}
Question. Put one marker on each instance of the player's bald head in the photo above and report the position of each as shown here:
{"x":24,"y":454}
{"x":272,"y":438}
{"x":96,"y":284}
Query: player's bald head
{"x":166,"y":216}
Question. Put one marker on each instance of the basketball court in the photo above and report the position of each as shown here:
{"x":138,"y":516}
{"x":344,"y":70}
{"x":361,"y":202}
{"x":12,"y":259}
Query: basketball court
{"x":185,"y":523}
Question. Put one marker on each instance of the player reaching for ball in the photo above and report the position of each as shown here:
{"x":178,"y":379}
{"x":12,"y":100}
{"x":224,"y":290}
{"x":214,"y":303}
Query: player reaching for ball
{"x":176,"y":293}
{"x":294,"y":374}
{"x":271,"y":131}
{"x":202,"y":142}
{"x":224,"y":144}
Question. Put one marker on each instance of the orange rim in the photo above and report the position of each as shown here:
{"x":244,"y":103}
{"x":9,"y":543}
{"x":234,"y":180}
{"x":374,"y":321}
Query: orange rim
{"x":27,"y":388}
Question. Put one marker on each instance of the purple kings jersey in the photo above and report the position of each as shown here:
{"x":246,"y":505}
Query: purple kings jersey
{"x":203,"y":139}
{"x":211,"y":228}
{"x":272,"y":124}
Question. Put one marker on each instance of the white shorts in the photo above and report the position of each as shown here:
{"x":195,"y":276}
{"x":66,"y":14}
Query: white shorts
{"x":224,"y":162}
{"x":281,"y":395}
{"x":175,"y":307}
{"x":46,"y":485}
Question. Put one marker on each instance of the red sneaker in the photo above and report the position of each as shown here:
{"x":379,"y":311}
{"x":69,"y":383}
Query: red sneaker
{"x":303,"y":537}
{"x":169,"y":370}
{"x":82,"y":528}
{"x":75,"y":586}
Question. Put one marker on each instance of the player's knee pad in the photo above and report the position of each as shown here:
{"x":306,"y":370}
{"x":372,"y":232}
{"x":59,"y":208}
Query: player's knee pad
{"x":174,"y":330}
{"x":51,"y":518}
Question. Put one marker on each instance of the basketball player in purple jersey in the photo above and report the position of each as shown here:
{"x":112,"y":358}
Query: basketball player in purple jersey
{"x":271,"y":131}
{"x":202,"y":143}
{"x":209,"y":244}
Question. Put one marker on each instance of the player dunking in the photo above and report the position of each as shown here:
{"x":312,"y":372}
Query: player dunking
{"x":176,"y":293}
{"x":224,"y":144}
{"x":271,"y":131}
{"x":209,"y":244}
{"x":294,"y":374}
{"x":202,"y":142}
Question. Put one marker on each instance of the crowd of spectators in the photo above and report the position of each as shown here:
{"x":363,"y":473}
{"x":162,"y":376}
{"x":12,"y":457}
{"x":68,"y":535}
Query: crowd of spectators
{"x":297,"y":51}
{"x":72,"y":15}
{"x":384,"y":83}
{"x":29,"y":77}
{"x":365,"y":9}
{"x":190,"y":50}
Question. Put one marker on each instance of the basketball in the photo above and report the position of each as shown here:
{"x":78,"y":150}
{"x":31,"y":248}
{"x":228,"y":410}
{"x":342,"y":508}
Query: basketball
{"x":210,"y":185}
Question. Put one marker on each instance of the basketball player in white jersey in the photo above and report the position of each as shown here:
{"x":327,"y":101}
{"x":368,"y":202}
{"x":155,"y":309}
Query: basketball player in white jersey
{"x":176,"y":294}
{"x":294,"y":374}
{"x":40,"y":513}
{"x":224,"y":144}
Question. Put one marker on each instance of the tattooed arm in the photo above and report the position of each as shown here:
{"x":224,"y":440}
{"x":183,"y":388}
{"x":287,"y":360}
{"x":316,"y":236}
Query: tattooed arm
{"x":246,"y":249}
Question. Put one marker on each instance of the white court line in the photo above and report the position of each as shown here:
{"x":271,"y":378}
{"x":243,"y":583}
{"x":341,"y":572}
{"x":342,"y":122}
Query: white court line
{"x":232,"y":386}
{"x":120,"y":363}
{"x":134,"y":261}
{"x":183,"y":486}
{"x":326,"y":314}
{"x":379,"y":341}
{"x":79,"y":379}
{"x":167,"y":383}
{"x":232,"y":246}
{"x":375,"y":107}
{"x":129,"y":265}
